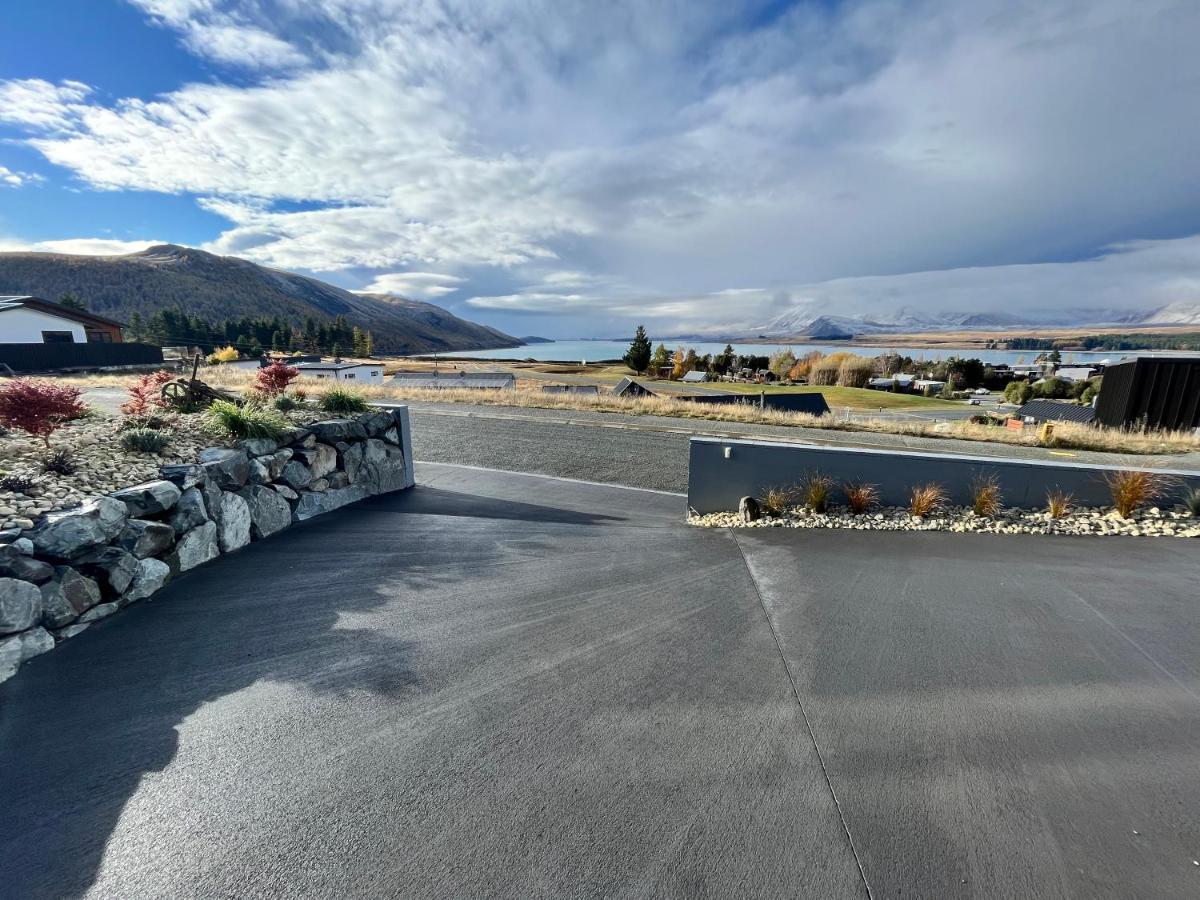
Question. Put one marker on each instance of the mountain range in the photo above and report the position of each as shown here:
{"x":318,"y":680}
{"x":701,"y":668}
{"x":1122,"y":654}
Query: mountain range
{"x":804,"y":322}
{"x":224,"y":287}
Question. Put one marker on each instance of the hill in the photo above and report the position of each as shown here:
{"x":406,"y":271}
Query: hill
{"x":224,"y":287}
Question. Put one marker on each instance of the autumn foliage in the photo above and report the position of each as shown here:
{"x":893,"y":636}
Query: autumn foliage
{"x":274,"y":379}
{"x":145,"y":394}
{"x":38,"y":408}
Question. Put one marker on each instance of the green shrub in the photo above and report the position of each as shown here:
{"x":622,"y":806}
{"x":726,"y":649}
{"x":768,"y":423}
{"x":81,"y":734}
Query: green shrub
{"x":285,"y":403}
{"x":248,"y":421}
{"x":144,"y":440}
{"x":1018,"y":393}
{"x":1191,"y":502}
{"x":342,"y":401}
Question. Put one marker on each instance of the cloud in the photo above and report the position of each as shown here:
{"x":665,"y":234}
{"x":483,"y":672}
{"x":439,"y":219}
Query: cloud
{"x":420,"y":285}
{"x":9,"y":178}
{"x":652,"y":158}
{"x":84,"y":246}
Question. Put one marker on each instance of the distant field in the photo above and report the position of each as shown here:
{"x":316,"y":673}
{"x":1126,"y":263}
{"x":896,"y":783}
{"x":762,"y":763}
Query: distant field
{"x":855,"y":398}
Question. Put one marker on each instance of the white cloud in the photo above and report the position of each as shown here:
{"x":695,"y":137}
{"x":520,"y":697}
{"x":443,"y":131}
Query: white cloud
{"x":85,"y":246}
{"x":419,"y":285}
{"x":579,"y":156}
{"x":9,"y":178}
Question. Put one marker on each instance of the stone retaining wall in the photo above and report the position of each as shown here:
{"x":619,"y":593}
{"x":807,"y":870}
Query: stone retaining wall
{"x":81,"y":565}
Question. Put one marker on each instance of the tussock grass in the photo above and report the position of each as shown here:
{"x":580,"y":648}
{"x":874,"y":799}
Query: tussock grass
{"x":247,"y":421}
{"x":1058,"y":503}
{"x":1067,"y":435}
{"x":1133,"y":489}
{"x":926,"y":498}
{"x":985,"y":496}
{"x":860,"y":496}
{"x":817,"y":491}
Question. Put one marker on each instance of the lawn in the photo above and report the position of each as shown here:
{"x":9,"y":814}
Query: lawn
{"x":855,"y":398}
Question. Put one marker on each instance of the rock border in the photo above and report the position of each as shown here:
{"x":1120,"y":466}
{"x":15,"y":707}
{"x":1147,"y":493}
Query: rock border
{"x":81,"y":565}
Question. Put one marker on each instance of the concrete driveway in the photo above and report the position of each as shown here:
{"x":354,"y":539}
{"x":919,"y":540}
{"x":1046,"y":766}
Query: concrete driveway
{"x":509,"y":685}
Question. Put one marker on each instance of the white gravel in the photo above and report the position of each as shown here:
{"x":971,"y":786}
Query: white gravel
{"x":1151,"y":522}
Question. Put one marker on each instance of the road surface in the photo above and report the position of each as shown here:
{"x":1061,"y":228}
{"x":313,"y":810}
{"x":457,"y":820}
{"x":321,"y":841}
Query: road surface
{"x":504,"y":685}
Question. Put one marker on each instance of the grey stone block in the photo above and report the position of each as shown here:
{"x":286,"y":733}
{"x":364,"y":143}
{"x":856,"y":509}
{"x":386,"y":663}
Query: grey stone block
{"x":20,"y":605}
{"x":233,"y":523}
{"x":15,"y":564}
{"x":269,"y":511}
{"x":228,"y":468}
{"x":151,"y":575}
{"x":63,"y":535}
{"x":190,"y":512}
{"x":194,"y":548}
{"x":149,"y":499}
{"x":21,"y":647}
{"x":144,"y":538}
{"x":111,"y":567}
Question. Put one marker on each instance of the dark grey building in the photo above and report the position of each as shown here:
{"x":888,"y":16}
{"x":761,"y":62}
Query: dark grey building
{"x":1157,"y":392}
{"x":1056,"y":411}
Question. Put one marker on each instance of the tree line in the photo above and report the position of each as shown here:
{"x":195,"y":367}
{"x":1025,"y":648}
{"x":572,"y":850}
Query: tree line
{"x":250,"y":336}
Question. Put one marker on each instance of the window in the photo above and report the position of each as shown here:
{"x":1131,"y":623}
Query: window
{"x":348,"y":375}
{"x":58,"y":337}
{"x":95,"y":336}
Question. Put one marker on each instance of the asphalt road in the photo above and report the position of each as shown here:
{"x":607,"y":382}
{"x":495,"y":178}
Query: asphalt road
{"x":505,"y":685}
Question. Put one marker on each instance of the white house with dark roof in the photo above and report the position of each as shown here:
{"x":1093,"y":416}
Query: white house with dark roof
{"x":31,"y":320}
{"x":353,"y":372}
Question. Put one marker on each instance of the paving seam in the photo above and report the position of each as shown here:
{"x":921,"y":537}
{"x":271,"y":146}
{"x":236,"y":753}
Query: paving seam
{"x":604,"y":484}
{"x":804,"y":713}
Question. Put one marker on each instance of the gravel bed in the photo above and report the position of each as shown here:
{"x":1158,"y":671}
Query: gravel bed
{"x":1152,"y":522}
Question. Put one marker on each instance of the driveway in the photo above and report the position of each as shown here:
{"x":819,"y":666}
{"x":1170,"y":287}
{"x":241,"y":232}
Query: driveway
{"x":509,"y":685}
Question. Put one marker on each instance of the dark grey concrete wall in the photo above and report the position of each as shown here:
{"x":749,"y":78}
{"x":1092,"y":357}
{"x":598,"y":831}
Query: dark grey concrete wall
{"x":716,"y":483}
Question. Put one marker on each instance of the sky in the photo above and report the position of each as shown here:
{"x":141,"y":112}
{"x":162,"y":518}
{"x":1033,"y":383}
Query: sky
{"x":570,"y":169}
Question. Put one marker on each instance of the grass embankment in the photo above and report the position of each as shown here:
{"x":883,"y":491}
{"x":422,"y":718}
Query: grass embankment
{"x":854,"y":398}
{"x":1067,"y":436}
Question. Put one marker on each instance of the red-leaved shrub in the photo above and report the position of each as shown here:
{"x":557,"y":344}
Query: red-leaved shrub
{"x":145,"y":394}
{"x":38,"y":408}
{"x":274,"y":379}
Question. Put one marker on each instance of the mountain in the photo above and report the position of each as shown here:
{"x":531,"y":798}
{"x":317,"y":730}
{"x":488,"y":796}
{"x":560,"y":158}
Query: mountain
{"x":1181,"y":313}
{"x":225,"y":287}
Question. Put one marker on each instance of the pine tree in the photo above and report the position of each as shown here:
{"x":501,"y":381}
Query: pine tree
{"x":277,"y":341}
{"x":368,"y":344}
{"x":137,"y":328}
{"x":357,"y":341}
{"x":638,"y":357}
{"x":70,"y":301}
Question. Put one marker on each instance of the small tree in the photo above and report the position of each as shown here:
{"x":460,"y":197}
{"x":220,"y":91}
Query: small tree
{"x":70,"y":301}
{"x":224,"y":355}
{"x":660,"y":360}
{"x":145,"y":394}
{"x":782,"y":362}
{"x":638,"y":356}
{"x":38,"y":408}
{"x":274,"y":379}
{"x":368,"y":348}
{"x":1018,"y":392}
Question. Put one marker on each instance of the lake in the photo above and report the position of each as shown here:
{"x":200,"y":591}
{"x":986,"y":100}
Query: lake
{"x":595,"y":351}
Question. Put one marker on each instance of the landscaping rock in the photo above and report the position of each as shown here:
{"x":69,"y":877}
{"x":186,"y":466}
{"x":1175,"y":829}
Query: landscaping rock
{"x":112,"y":567}
{"x":8,"y":535}
{"x":151,"y":575}
{"x":306,"y":443}
{"x":321,"y":459}
{"x":195,"y":547}
{"x":183,"y":475}
{"x":379,"y":422}
{"x":293,"y":435}
{"x":20,"y":605}
{"x":269,"y":511}
{"x":233,"y":523}
{"x":64,"y":535}
{"x":352,"y":459}
{"x":24,"y":546}
{"x":278,"y":460}
{"x":21,"y":647}
{"x":62,"y":634}
{"x":748,"y":510}
{"x":259,"y":446}
{"x":104,"y":610}
{"x":260,"y":472}
{"x":189,"y":512}
{"x":149,"y":499}
{"x":67,"y":597}
{"x":143,"y":538}
{"x":319,"y":485}
{"x":296,"y":475}
{"x":228,"y":468}
{"x":285,"y":492}
{"x":382,"y":467}
{"x":313,"y":504}
{"x":16,"y":564}
{"x":392,"y":435}
{"x":338,"y":480}
{"x":334,"y":430}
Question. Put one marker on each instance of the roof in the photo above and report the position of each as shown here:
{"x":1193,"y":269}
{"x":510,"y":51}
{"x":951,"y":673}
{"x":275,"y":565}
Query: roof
{"x":695,"y":377}
{"x":570,"y":389}
{"x":459,"y":379}
{"x":1075,"y":372}
{"x":632,"y":388}
{"x":1056,"y":411}
{"x":56,"y":309}
{"x":880,"y":382}
{"x":335,"y":367}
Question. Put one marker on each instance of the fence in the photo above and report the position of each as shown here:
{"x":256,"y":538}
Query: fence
{"x":24,"y":358}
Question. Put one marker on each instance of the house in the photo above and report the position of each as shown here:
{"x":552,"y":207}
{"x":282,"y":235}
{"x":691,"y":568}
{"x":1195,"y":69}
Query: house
{"x":248,"y":365}
{"x":1151,"y":391}
{"x":357,"y":372}
{"x":882,"y":384}
{"x":31,"y":320}
{"x":627,"y":387}
{"x":1055,"y":411}
{"x":459,"y":379}
{"x":1076,"y":373}
{"x":922,"y":385}
{"x":696,"y":377}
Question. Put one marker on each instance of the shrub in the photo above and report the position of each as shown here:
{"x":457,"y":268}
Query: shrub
{"x":248,"y":421}
{"x":144,"y":440}
{"x":285,"y":404}
{"x":273,"y":380}
{"x":151,"y":420}
{"x":1191,"y":502}
{"x":39,"y":408}
{"x":1131,"y":489}
{"x":778,"y":499}
{"x":1058,"y":502}
{"x":856,"y":371}
{"x":1018,"y":393}
{"x":224,"y":355}
{"x":985,"y":495}
{"x":342,"y":401}
{"x":926,"y":498}
{"x":145,"y":394}
{"x":860,"y":496}
{"x":817,"y":490}
{"x":17,"y":484}
{"x":60,"y":462}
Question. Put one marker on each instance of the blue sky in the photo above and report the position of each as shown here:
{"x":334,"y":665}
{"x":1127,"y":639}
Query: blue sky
{"x":571,"y":168}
